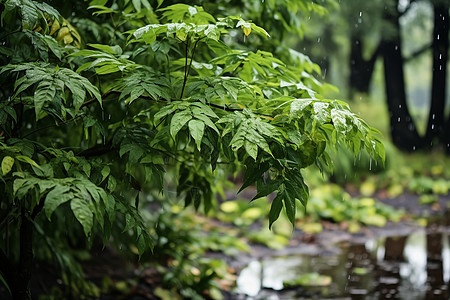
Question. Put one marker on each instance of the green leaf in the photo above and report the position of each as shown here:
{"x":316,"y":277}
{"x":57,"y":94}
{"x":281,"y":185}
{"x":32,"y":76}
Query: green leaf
{"x":289,"y":196}
{"x":2,"y":280}
{"x":266,"y":188}
{"x":28,"y":160}
{"x":253,"y":172}
{"x":179,"y":119}
{"x":135,"y":152}
{"x":44,"y":93}
{"x":83,"y":213}
{"x":55,"y":198}
{"x":275,"y":210}
{"x":7,"y":164}
{"x":105,"y":172}
{"x":251,"y":149}
{"x":197,"y":129}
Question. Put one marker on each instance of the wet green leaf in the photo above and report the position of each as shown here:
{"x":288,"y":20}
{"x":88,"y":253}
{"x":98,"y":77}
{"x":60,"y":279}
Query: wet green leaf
{"x":83,"y":213}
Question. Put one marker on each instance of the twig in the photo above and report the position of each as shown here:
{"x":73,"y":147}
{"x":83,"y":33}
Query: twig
{"x":185,"y":68}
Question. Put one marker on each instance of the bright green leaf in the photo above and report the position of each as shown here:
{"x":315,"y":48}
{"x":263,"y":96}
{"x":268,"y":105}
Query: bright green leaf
{"x":7,"y":164}
{"x":197,"y":129}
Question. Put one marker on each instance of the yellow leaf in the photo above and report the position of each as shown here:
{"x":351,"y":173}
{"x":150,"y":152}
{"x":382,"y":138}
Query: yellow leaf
{"x":62,"y":33}
{"x":7,"y":164}
{"x":246,"y":30}
{"x":68,"y":39}
{"x":55,"y":27}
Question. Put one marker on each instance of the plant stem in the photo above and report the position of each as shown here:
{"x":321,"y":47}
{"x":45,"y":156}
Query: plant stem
{"x":185,"y":68}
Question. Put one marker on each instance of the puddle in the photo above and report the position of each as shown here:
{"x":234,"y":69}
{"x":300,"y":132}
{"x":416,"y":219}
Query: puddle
{"x":412,"y":267}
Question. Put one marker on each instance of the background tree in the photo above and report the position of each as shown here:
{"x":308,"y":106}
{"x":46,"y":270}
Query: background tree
{"x":99,"y":109}
{"x":376,"y":30}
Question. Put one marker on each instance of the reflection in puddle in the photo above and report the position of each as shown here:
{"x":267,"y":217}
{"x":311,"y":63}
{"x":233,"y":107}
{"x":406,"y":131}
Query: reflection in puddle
{"x":410,"y":267}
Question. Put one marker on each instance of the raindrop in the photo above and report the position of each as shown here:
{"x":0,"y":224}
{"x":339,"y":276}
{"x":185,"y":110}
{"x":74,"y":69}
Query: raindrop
{"x":414,"y":148}
{"x":109,"y":117}
{"x":360,"y":13}
{"x":433,"y":116}
{"x":437,"y":37}
{"x":353,"y":61}
{"x":440,"y":56}
{"x":357,"y":42}
{"x":448,"y":145}
{"x":398,"y":120}
{"x":370,"y":164}
{"x":432,"y":126}
{"x":440,"y":67}
{"x":399,"y":106}
{"x":396,"y":47}
{"x":318,"y":40}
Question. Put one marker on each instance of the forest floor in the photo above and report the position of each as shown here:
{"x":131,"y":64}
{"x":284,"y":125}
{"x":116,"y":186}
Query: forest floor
{"x":106,"y":262}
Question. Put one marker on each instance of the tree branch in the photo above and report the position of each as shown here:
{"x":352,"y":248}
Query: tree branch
{"x":185,"y":68}
{"x":90,"y":101}
{"x":418,"y":52}
{"x":97,"y":150}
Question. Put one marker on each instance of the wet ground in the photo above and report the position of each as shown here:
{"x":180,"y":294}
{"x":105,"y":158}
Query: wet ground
{"x":402,"y":260}
{"x":399,"y":261}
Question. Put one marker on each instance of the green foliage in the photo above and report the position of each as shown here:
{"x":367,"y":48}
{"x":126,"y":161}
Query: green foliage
{"x":162,"y":96}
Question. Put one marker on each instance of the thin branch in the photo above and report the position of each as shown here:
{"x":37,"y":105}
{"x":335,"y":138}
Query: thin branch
{"x":97,"y":150}
{"x":50,"y":126}
{"x":418,"y":52}
{"x":90,"y":101}
{"x":186,"y":72}
{"x":185,"y":68}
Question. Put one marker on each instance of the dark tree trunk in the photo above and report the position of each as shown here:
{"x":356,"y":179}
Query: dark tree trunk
{"x":403,"y":130}
{"x":361,"y":69}
{"x":22,"y":275}
{"x":436,"y":118}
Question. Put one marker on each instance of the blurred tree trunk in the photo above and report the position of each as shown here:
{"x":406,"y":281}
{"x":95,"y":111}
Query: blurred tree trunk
{"x":403,"y":130}
{"x":361,"y":69}
{"x":437,"y":127}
